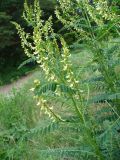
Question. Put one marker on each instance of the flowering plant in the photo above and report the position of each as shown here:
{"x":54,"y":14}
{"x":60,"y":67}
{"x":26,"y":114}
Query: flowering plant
{"x":63,"y":84}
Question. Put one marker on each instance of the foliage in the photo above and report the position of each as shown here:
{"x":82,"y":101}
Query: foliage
{"x":8,"y":40}
{"x":67,"y":85}
{"x":11,"y":74}
{"x":7,"y":33}
{"x":100,"y":24}
{"x":13,"y":125}
{"x":11,"y":53}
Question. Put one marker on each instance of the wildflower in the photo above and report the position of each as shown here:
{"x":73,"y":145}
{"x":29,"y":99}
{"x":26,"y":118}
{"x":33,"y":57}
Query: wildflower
{"x":76,"y":81}
{"x":35,"y":97}
{"x":52,"y":77}
{"x":69,"y":80}
{"x":68,"y":76}
{"x":39,"y":61}
{"x":45,"y":58}
{"x":42,"y":66}
{"x":49,"y":115}
{"x":38,"y":103}
{"x":71,"y":73}
{"x":76,"y":96}
{"x":65,"y":67}
{"x":36,"y":82}
{"x":32,"y":89}
{"x":57,"y":93}
{"x":51,"y":108}
{"x":71,"y":85}
{"x":36,"y":52}
{"x":42,"y":107}
{"x":44,"y":101}
{"x":81,"y":91}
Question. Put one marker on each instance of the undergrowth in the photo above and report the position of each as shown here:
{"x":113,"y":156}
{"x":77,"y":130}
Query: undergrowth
{"x":10,"y":74}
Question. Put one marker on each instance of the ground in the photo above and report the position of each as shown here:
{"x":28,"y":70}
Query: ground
{"x":17,"y":84}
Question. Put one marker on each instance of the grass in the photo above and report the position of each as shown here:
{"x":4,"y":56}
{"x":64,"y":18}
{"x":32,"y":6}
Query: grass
{"x":10,"y":74}
{"x":22,"y":116}
{"x":21,"y":121}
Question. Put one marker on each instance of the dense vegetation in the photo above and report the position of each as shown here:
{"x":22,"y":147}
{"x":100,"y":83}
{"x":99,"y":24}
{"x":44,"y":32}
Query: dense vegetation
{"x":77,"y":89}
{"x":11,"y":53}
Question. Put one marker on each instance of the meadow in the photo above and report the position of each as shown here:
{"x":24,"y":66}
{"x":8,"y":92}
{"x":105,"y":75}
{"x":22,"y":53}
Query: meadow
{"x":70,"y":108}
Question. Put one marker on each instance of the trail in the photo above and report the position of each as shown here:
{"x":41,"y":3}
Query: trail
{"x":6,"y":89}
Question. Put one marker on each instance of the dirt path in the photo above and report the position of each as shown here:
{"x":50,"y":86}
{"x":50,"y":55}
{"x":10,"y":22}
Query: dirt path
{"x":17,"y":84}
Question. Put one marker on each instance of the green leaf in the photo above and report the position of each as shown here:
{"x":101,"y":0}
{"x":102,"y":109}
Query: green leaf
{"x":73,"y":152}
{"x":104,"y":97}
{"x":44,"y":130}
{"x":45,"y":88}
{"x":33,"y":59}
{"x":52,"y":86}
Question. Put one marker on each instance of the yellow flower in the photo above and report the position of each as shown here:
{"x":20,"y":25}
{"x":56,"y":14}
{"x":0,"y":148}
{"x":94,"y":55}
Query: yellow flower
{"x":77,"y":82}
{"x":52,"y":77}
{"x":38,"y":103}
{"x":32,"y":89}
{"x":37,"y":82}
{"x":65,"y":67}
{"x":71,"y":85}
